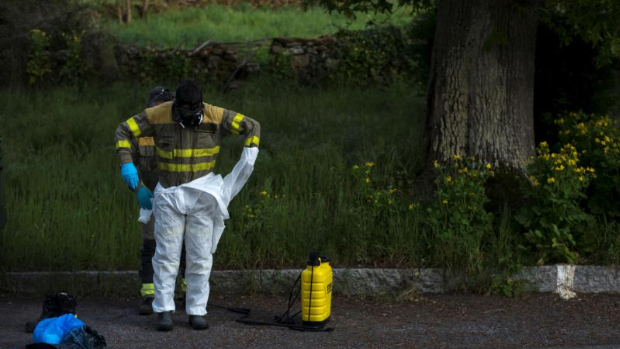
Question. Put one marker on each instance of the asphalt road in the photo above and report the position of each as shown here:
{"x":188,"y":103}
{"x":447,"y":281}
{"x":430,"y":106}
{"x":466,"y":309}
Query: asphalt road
{"x":438,"y":321}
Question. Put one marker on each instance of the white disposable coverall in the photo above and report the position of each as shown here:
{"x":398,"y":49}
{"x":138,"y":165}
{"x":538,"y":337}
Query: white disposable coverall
{"x":195,"y":212}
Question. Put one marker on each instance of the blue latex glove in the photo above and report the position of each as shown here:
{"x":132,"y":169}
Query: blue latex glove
{"x":144,"y":198}
{"x":130,"y":175}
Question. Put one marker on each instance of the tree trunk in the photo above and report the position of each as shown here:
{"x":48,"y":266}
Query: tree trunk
{"x":128,"y":3}
{"x":145,"y":7}
{"x":119,"y":10}
{"x":480,"y":98}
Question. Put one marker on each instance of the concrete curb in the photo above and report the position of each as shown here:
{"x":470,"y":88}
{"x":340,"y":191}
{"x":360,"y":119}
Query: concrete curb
{"x":562,"y":279}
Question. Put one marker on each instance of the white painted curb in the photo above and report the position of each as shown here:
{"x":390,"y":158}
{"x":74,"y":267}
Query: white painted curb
{"x":565,"y":280}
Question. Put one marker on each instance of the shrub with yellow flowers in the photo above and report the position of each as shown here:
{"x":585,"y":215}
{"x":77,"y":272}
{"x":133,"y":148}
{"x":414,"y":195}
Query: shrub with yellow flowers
{"x":257,"y":214}
{"x":457,"y":216}
{"x":553,"y":216}
{"x":379,"y":196}
{"x":597,"y":139}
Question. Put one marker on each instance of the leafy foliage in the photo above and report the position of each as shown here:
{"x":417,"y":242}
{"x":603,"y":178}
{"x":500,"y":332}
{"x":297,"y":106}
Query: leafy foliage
{"x":598,"y":140}
{"x":553,"y":215}
{"x":74,"y":67}
{"x":595,"y":22}
{"x":457,"y":216}
{"x":39,"y":59}
{"x":377,"y":55}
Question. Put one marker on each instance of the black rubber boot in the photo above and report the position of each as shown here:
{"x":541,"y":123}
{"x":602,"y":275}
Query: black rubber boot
{"x":165,"y":321}
{"x":146,"y":308}
{"x":198,"y":322}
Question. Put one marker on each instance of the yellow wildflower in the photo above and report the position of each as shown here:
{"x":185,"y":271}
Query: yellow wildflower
{"x":367,"y":180}
{"x":550,"y":180}
{"x":355,"y":167}
{"x":456,"y":156}
{"x":488,"y":166}
{"x":436,"y":164}
{"x":369,"y":164}
{"x":263,"y":193}
{"x":411,"y":206}
{"x":580,"y":178}
{"x":448,"y":179}
{"x":444,"y":201}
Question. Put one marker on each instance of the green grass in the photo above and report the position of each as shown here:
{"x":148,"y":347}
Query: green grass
{"x":69,"y":210}
{"x":190,"y":27}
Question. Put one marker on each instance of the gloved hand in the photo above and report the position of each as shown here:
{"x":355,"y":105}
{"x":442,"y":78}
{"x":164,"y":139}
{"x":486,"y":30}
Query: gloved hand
{"x":130,"y":175}
{"x":144,"y":198}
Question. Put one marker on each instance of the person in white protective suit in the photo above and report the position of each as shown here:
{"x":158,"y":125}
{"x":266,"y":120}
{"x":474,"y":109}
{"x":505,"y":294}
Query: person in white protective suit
{"x":190,"y":201}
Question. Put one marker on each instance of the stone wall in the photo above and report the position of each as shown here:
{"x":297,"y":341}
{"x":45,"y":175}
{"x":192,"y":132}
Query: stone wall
{"x":212,"y":62}
{"x":348,"y":56}
{"x":310,"y":60}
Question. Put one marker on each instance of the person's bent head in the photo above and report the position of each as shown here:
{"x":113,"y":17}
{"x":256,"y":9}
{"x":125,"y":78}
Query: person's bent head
{"x":159,"y":95}
{"x":188,"y":109}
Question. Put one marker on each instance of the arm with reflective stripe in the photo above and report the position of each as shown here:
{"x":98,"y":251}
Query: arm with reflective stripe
{"x":237,"y":123}
{"x":126,"y":134}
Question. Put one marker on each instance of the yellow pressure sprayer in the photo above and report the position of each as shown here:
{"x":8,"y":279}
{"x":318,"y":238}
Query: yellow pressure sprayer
{"x":316,"y":292}
{"x":314,"y":284}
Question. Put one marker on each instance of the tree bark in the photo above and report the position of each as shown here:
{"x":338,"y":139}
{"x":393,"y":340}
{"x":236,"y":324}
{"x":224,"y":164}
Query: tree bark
{"x":128,"y":4}
{"x":119,"y":10}
{"x":145,"y":7}
{"x":480,"y":98}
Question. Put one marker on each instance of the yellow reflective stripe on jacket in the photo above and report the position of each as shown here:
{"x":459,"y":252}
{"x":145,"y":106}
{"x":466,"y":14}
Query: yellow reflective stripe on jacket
{"x":204,"y":166}
{"x":146,"y":141}
{"x":235,"y":123}
{"x":123,"y":144}
{"x":133,"y":126}
{"x":254,"y":140}
{"x":188,"y":153}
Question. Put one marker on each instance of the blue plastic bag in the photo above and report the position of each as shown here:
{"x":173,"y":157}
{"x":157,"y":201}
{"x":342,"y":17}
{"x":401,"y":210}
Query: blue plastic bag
{"x":53,"y":330}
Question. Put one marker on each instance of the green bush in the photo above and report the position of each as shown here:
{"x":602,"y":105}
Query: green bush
{"x":373,"y":55}
{"x":598,"y":140}
{"x":39,"y":59}
{"x":457,"y":217}
{"x":74,"y":68}
{"x":553,"y":215}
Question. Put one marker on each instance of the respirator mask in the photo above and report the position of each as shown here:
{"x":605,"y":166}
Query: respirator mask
{"x":189,"y":115}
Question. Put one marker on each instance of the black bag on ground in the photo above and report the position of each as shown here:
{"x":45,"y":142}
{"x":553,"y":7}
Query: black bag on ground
{"x":83,"y":338}
{"x":54,"y":305}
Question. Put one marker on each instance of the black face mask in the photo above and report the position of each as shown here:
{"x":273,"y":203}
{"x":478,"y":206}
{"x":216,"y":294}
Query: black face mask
{"x":189,"y":117}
